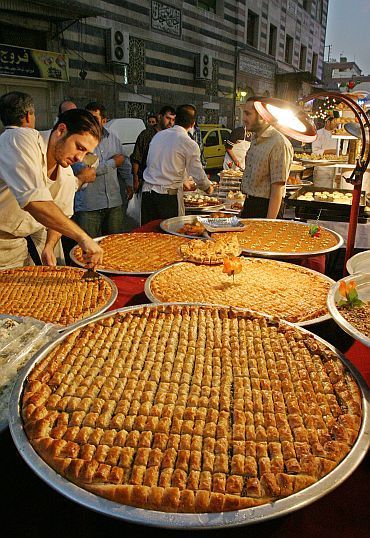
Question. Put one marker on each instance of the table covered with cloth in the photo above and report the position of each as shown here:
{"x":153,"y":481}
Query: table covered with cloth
{"x":42,"y":512}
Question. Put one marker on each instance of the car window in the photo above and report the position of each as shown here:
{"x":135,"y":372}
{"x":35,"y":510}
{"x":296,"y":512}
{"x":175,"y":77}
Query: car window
{"x":224,"y":135}
{"x":212,"y":139}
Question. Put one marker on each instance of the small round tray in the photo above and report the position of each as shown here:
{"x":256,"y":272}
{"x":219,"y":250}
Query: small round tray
{"x":359,"y":263}
{"x":362,"y":281}
{"x":181,"y":521}
{"x":172,"y":225}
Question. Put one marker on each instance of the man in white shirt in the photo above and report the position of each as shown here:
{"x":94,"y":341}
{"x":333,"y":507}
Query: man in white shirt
{"x":33,"y":172}
{"x":173,"y":156}
{"x":322,"y":175}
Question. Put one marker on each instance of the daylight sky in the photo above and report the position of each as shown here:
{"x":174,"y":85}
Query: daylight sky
{"x":348,"y":31}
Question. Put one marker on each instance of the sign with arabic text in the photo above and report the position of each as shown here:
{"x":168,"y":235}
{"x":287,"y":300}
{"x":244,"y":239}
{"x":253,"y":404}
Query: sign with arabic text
{"x":33,"y":63}
{"x":166,"y":18}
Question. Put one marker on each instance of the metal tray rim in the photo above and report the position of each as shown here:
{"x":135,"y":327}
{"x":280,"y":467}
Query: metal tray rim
{"x":186,"y":521}
{"x":336,"y":315}
{"x":153,"y":299}
{"x":293,"y":255}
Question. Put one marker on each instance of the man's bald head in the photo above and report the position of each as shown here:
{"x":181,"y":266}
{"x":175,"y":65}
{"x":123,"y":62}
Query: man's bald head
{"x":66,"y":105}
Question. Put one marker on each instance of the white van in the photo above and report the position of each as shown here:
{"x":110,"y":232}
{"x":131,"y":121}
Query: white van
{"x":127,"y":130}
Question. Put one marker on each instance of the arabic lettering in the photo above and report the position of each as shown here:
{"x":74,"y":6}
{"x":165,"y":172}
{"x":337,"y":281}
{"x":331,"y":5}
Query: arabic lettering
{"x":166,"y":18}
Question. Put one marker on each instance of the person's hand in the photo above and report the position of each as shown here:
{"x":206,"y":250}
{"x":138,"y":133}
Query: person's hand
{"x":136,"y":182}
{"x":118,"y":159}
{"x":210,"y":190}
{"x":189,"y":185}
{"x":130,"y":192}
{"x":48,"y":256}
{"x":87,"y":175}
{"x":237,"y":164}
{"x":92,"y":253}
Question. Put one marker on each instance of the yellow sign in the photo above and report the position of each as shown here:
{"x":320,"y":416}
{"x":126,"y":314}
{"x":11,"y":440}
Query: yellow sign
{"x":33,"y":63}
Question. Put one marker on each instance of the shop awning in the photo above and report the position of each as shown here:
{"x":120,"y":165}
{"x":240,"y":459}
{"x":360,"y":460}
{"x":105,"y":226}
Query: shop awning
{"x":299,"y":76}
{"x":51,"y":10}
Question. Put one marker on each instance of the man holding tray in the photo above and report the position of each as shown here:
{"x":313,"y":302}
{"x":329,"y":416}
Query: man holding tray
{"x":267,"y":167}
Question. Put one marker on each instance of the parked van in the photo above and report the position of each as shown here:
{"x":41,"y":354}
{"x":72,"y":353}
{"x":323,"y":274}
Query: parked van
{"x":127,"y":130}
{"x":214,"y":138}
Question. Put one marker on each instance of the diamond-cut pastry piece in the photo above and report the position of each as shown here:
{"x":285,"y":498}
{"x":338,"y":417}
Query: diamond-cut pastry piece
{"x":191,"y":409}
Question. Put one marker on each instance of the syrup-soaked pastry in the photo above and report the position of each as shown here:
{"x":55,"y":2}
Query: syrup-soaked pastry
{"x":281,"y":289}
{"x":284,"y":237}
{"x":211,"y":252}
{"x":137,"y":252}
{"x":188,"y":408}
{"x":52,"y":294}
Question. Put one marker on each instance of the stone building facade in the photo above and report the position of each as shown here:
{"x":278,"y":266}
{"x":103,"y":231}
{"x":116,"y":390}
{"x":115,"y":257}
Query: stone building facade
{"x":212,"y":53}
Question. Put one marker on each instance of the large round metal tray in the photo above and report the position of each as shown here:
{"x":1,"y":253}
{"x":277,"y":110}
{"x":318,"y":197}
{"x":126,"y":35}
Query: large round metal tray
{"x":92,"y":316}
{"x":359,"y":263}
{"x":292,"y":255}
{"x":153,"y":299}
{"x":105,"y":271}
{"x":176,"y":520}
{"x":363,"y":287}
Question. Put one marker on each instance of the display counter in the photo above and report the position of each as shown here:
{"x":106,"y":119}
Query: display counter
{"x":42,"y":512}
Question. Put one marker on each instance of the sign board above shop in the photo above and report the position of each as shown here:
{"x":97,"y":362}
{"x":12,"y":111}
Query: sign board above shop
{"x":33,"y":63}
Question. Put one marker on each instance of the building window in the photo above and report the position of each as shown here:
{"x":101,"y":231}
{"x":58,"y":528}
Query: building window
{"x":252,"y":29}
{"x":307,"y":5}
{"x":272,"y":40}
{"x":289,"y":43}
{"x":303,"y":58}
{"x":208,"y":5}
{"x":315,"y":60}
{"x":319,"y":11}
{"x":20,"y":37}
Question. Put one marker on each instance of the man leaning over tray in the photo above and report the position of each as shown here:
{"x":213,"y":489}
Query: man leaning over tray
{"x":35,"y":179}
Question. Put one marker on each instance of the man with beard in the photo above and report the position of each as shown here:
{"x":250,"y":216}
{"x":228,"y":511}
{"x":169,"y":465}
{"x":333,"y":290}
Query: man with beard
{"x":267,"y":166}
{"x":37,"y":185}
{"x":166,"y":120}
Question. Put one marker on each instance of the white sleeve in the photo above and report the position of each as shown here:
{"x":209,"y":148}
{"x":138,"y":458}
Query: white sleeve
{"x":21,"y":168}
{"x":194,"y":166}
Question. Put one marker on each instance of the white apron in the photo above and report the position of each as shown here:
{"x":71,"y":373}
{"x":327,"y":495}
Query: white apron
{"x":240,"y":151}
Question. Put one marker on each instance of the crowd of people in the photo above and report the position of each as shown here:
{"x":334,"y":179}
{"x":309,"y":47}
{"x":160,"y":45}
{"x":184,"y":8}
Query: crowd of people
{"x":75,"y":181}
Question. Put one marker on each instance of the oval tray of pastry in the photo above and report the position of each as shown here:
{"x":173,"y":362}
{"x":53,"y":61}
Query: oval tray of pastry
{"x":131,"y":457}
{"x":38,"y":298}
{"x":135,"y":256}
{"x":275,"y":239}
{"x":255,"y":281}
{"x":361,"y":315}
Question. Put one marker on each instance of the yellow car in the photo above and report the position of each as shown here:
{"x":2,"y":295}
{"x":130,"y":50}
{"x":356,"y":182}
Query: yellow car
{"x":214,"y":138}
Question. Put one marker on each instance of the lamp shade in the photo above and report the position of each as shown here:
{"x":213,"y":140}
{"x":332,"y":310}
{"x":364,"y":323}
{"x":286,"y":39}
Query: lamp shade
{"x":287,"y":118}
